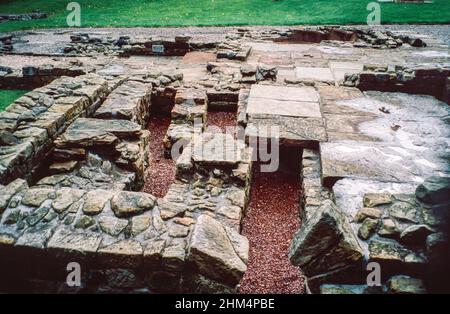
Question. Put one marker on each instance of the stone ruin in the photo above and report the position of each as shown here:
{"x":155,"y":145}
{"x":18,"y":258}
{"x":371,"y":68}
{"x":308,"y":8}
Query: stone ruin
{"x":371,"y":154}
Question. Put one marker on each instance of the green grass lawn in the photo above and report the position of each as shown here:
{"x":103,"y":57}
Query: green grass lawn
{"x":7,"y":96}
{"x":133,"y":13}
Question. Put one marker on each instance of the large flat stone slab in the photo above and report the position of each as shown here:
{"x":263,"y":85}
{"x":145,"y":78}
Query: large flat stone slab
{"x":289,"y":130}
{"x":217,"y":149}
{"x":285,"y":93}
{"x":283,"y":108}
{"x":315,"y":74}
{"x":289,"y":113}
{"x":85,"y":132}
{"x":374,"y":161}
{"x":130,"y":101}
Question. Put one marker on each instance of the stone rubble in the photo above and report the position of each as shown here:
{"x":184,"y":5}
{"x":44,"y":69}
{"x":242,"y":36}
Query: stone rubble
{"x":74,"y":152}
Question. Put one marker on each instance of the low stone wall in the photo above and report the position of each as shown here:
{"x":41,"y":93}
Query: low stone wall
{"x":130,"y":101}
{"x":404,"y":233}
{"x":86,"y":44}
{"x":357,"y":37}
{"x":30,"y":124}
{"x":428,"y":81}
{"x":23,"y":17}
{"x":36,"y":76}
{"x":123,"y":241}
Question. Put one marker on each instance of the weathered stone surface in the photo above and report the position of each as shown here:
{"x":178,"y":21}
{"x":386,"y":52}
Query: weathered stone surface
{"x":217,"y":149}
{"x":66,"y":197}
{"x":367,"y":228}
{"x":388,"y":229}
{"x":112,"y":225}
{"x":213,"y":253}
{"x":434,"y":190}
{"x":125,"y":253}
{"x":35,"y":237}
{"x":170,"y":209}
{"x":375,"y":199}
{"x":405,"y":212}
{"x":325,"y":242}
{"x":178,"y":231}
{"x":415,"y":235}
{"x":130,"y":101}
{"x":9,"y":191}
{"x":367,"y":212}
{"x":35,"y":197}
{"x":84,"y":222}
{"x":37,"y":216}
{"x":386,"y":252}
{"x":153,"y":253}
{"x":174,"y":256}
{"x":140,"y":223}
{"x":406,"y":285}
{"x":125,"y":204}
{"x":61,"y":167}
{"x":67,"y":240}
{"x":295,"y":112}
{"x":231,"y":212}
{"x":86,"y":132}
{"x":95,"y":201}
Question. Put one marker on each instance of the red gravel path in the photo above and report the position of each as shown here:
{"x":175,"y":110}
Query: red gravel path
{"x":161,"y":171}
{"x":221,"y":119}
{"x":271,"y":221}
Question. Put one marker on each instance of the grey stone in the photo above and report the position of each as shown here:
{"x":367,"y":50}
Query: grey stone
{"x":213,"y":253}
{"x":95,"y":201}
{"x":434,"y":190}
{"x":111,"y":225}
{"x":388,"y":229}
{"x":65,"y":197}
{"x":376,"y":199}
{"x":405,"y":285}
{"x":9,"y":191}
{"x":325,"y":242}
{"x":125,"y":204}
{"x":367,"y":228}
{"x":84,"y":222}
{"x":37,"y":216}
{"x":173,"y":257}
{"x":86,"y":132}
{"x":67,"y":240}
{"x":125,"y":253}
{"x":178,"y":231}
{"x":140,"y":223}
{"x":35,"y":197}
{"x":415,"y":235}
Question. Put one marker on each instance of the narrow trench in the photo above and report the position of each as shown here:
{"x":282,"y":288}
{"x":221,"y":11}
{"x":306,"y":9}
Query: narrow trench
{"x":271,"y":220}
{"x":223,"y":120}
{"x":270,"y":223}
{"x":161,"y":173}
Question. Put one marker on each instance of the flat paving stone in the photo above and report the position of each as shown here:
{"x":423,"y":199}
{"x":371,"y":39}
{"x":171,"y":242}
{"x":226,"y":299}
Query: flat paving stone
{"x":305,"y":94}
{"x":370,"y":160}
{"x":290,"y":113}
{"x":318,"y":74}
{"x":283,"y":108}
{"x":217,"y":149}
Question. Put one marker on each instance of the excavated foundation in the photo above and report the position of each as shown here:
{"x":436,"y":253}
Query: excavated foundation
{"x":161,"y":173}
{"x":118,"y":160}
{"x":270,"y":222}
